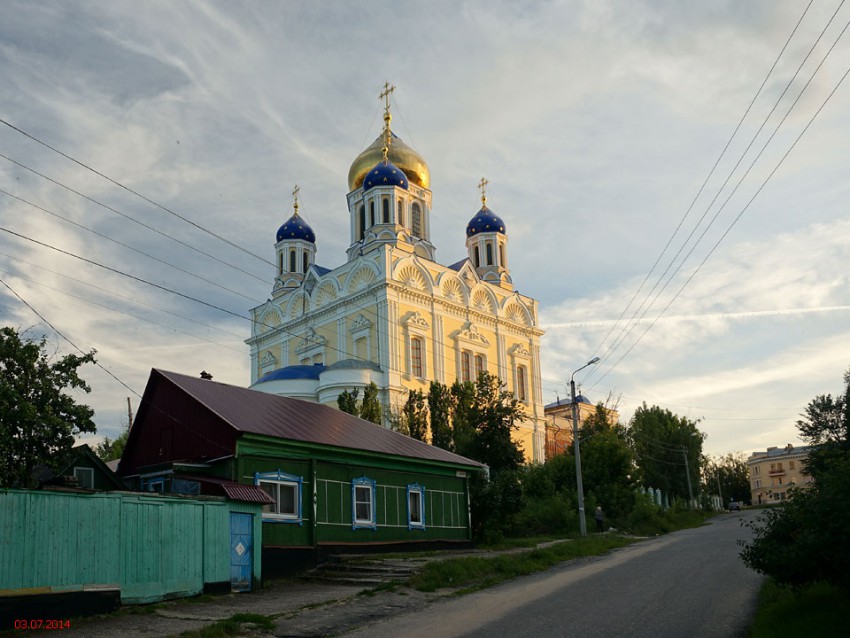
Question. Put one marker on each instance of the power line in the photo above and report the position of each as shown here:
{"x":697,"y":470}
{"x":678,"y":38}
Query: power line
{"x":744,"y":209}
{"x":116,"y":310}
{"x":115,"y":294}
{"x":132,"y":219}
{"x":702,"y":187}
{"x":714,"y":218}
{"x":130,"y":190}
{"x":127,"y":246}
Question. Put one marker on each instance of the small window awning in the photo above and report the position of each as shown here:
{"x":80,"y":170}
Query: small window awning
{"x":215,"y":486}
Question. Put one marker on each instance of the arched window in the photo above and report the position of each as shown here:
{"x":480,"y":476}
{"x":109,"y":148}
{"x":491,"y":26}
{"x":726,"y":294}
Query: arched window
{"x":416,"y":221}
{"x":476,"y":257}
{"x":385,"y":210}
{"x":502,"y":256}
{"x":465,"y":371}
{"x":305,"y":262}
{"x":362,"y":220}
{"x":280,"y":264}
{"x":520,"y":383}
{"x":399,"y":213}
{"x":372,"y":213}
{"x":291,"y":260}
{"x":416,"y":367}
{"x":479,"y":365}
{"x":489,"y":253}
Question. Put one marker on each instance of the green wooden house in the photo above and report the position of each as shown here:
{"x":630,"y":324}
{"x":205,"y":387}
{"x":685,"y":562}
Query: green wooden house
{"x":336,"y":481}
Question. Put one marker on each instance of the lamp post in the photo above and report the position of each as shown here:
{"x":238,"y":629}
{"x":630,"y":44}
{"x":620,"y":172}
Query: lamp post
{"x":579,"y":486}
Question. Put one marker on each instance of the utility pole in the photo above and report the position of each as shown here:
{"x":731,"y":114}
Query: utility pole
{"x":579,"y":487}
{"x":688,"y":474}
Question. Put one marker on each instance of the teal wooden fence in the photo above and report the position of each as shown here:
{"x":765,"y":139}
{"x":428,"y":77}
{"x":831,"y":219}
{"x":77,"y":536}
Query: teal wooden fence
{"x":148,"y":547}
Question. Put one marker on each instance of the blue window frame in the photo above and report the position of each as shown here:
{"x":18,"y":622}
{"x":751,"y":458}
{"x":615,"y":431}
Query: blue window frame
{"x":286,"y":490}
{"x":363,"y":515}
{"x":416,"y":506}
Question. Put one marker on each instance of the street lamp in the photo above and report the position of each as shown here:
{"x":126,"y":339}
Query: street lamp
{"x":579,"y":486}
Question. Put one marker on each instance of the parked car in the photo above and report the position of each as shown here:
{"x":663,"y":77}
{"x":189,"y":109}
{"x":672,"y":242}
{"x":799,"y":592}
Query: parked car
{"x":734,"y":506}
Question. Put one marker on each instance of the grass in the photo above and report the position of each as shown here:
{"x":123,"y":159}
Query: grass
{"x":230,"y":627}
{"x":817,"y":610}
{"x":473,"y":573}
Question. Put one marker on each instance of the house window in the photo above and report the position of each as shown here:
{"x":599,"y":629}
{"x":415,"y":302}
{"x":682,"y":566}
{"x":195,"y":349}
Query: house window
{"x":292,"y":260}
{"x":416,"y":366}
{"x":399,"y":213}
{"x":371,"y":213}
{"x":304,"y":262}
{"x":416,"y":221}
{"x":362,"y":221}
{"x":520,"y":383}
{"x":363,"y":504}
{"x":489,"y":247}
{"x":480,"y":365}
{"x":465,"y":369}
{"x":85,"y":477}
{"x":502,"y":255}
{"x":285,"y":489}
{"x":385,"y":210}
{"x":415,"y":506}
{"x":791,"y":465}
{"x":476,"y":257}
{"x":159,"y":484}
{"x":280,"y":264}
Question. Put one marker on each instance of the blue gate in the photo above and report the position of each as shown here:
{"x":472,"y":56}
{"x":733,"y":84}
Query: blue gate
{"x":241,"y":551}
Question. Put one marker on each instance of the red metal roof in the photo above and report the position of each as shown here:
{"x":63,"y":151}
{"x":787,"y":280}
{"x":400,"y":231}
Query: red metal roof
{"x":287,"y":418}
{"x":248,"y":493}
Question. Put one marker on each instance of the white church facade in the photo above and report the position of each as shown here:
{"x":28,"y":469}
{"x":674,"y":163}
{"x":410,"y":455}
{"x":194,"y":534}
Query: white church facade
{"x":391,"y":314}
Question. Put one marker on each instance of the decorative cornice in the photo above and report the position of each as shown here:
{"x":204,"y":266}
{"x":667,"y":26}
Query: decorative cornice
{"x":519,"y":350}
{"x":469,"y":332}
{"x":267,"y":360}
{"x":311,"y":340}
{"x":360,"y":323}
{"x":416,"y":320}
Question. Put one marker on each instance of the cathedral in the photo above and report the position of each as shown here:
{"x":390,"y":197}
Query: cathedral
{"x":391,"y":314}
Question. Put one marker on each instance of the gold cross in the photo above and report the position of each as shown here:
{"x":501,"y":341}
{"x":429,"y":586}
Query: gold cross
{"x":295,"y":192}
{"x":385,"y":95}
{"x":482,"y":186}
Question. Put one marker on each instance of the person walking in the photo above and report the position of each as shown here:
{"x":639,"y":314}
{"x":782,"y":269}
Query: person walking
{"x":599,"y":516}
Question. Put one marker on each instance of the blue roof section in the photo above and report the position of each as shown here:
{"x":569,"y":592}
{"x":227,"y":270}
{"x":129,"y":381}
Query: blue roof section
{"x":293,"y":372}
{"x":579,"y":399}
{"x":296,"y":228}
{"x":458,"y":265}
{"x":321,"y":270}
{"x":385,"y":173}
{"x":485,"y":221}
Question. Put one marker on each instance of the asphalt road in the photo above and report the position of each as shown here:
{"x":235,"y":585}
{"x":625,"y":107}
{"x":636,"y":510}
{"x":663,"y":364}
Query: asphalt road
{"x":690,"y":583}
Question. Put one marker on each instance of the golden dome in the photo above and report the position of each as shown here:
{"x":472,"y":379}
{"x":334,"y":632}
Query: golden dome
{"x":408,"y":160}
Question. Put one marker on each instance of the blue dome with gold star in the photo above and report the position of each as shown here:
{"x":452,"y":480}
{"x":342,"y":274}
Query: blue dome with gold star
{"x":485,"y":221}
{"x":385,"y":173}
{"x":296,"y":228}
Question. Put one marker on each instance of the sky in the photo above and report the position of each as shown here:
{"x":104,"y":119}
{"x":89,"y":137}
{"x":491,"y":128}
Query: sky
{"x":673,"y":177}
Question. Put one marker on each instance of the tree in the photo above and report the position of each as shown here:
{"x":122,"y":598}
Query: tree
{"x":109,"y":449}
{"x":463,"y":430}
{"x":493,"y":416}
{"x":347,"y":401}
{"x":440,"y":408}
{"x":38,"y":418}
{"x":728,"y":474}
{"x":607,"y":463}
{"x":370,"y":409}
{"x":416,"y":415}
{"x":658,"y":438}
{"x":805,"y":540}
